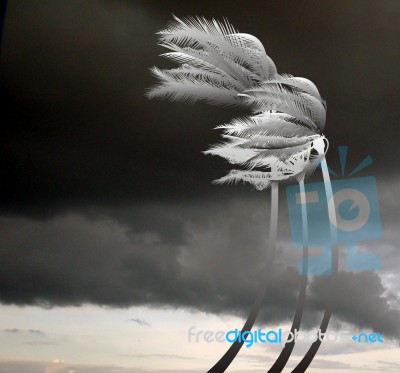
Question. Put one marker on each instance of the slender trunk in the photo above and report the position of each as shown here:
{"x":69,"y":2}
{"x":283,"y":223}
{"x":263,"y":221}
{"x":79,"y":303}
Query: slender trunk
{"x":312,"y":351}
{"x":287,"y":350}
{"x":233,"y":350}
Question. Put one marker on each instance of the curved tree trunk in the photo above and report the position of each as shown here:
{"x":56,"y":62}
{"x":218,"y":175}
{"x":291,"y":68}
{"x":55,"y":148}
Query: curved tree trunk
{"x":287,"y":350}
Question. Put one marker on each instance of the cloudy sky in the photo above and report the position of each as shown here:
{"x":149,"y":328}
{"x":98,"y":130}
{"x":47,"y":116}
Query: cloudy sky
{"x":114,"y":242}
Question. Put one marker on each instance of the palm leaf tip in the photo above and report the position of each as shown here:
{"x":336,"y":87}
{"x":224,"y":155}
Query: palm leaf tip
{"x":260,"y":180}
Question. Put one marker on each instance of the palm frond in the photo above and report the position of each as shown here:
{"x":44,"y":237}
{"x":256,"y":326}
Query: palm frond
{"x":290,"y":156}
{"x":261,"y":63}
{"x":235,"y":52}
{"x":302,"y":84}
{"x":301,"y":106}
{"x":260,"y":180}
{"x":294,"y":96}
{"x":186,"y":72}
{"x":201,"y":60}
{"x":274,"y":142}
{"x":274,"y":124}
{"x":189,"y":89}
{"x":231,"y":153}
{"x":214,"y":54}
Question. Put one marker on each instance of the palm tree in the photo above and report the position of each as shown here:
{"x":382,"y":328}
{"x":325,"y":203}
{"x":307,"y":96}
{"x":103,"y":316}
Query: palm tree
{"x":280,"y":141}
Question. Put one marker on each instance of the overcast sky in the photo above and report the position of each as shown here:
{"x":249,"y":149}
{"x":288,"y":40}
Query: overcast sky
{"x":110,"y":226}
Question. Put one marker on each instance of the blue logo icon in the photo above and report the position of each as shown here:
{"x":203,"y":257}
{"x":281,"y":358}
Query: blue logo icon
{"x":357,"y":218}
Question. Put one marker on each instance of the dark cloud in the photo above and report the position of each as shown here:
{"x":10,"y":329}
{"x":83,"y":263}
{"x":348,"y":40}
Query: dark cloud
{"x":214,"y":266}
{"x":359,"y":299}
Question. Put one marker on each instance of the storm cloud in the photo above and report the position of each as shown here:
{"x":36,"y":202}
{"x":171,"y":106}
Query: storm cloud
{"x":211,"y":261}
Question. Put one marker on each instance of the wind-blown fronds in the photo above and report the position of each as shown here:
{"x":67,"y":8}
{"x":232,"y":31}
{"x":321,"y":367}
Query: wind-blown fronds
{"x":302,"y":84}
{"x":272,"y":142}
{"x":215,"y":55}
{"x":222,"y":40}
{"x":219,"y":65}
{"x":302,"y":106}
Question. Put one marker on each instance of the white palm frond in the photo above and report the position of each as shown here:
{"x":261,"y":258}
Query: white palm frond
{"x":192,"y":86}
{"x":260,"y":180}
{"x":186,"y":72}
{"x":192,"y":57}
{"x":231,"y":153}
{"x":220,"y":39}
{"x":274,"y":142}
{"x":202,"y":60}
{"x":231,"y":68}
{"x":288,"y":156}
{"x":191,"y":90}
{"x":274,"y":124}
{"x":261,"y":63}
{"x":301,"y":106}
{"x":302,"y":84}
{"x":213,"y":54}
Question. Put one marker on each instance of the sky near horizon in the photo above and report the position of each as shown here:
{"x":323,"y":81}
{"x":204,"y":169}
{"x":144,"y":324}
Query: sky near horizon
{"x":114,"y":242}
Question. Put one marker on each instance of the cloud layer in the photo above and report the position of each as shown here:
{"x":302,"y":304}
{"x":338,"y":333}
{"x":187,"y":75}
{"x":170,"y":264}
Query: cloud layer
{"x":206,"y":257}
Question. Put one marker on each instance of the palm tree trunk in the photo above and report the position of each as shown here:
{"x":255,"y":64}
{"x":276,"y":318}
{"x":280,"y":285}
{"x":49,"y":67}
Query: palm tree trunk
{"x":312,"y":351}
{"x":233,"y":350}
{"x":287,"y":350}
